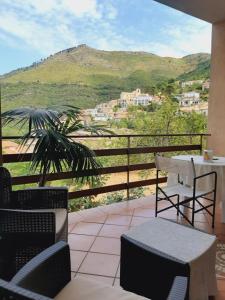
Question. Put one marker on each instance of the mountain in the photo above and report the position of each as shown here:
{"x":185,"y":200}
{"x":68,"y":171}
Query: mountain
{"x":84,"y":76}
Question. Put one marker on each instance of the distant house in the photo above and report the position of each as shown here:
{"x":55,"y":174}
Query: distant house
{"x":201,"y":108}
{"x":106,"y":107}
{"x":191,"y":82}
{"x":120,"y":115}
{"x":189,"y":99}
{"x":206,"y":85}
{"x":101,"y":117}
{"x":92,"y":112}
{"x":134,"y":98}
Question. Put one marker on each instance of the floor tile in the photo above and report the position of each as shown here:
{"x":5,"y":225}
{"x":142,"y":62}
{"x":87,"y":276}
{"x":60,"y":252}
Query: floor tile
{"x":87,"y":228}
{"x":126,"y":212}
{"x":106,"y":245}
{"x":139,"y":220}
{"x":70,"y":227}
{"x":76,"y":258}
{"x":80,"y":242}
{"x":168,"y":214}
{"x":204,"y":226}
{"x":96,"y":219}
{"x":100,"y":264}
{"x":144,"y":212}
{"x":107,"y":280}
{"x":112,"y":230}
{"x":118,"y":220}
{"x":117,"y":283}
{"x":118,"y":272}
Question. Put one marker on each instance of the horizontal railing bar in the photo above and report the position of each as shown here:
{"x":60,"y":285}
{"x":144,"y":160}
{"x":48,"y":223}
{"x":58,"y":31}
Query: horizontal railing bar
{"x":17,"y":180}
{"x":138,"y":150}
{"x":164,"y":149}
{"x":13,"y":137}
{"x":114,"y":188}
{"x":23,"y":157}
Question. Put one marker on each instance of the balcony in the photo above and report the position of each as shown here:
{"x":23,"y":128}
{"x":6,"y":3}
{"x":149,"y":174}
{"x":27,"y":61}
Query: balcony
{"x":94,"y":237}
{"x":94,"y":234}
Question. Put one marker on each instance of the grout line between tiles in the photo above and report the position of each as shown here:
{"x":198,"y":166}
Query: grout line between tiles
{"x":89,"y":248}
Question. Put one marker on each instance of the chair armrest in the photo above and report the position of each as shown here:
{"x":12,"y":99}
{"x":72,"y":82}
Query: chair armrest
{"x":9,"y":291}
{"x":179,"y":289}
{"x":40,"y":198}
{"x":47,"y":273}
{"x":206,"y":174}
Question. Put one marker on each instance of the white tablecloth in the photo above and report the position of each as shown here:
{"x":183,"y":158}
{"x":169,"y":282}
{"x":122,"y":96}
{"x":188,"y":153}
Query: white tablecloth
{"x":202,"y":167}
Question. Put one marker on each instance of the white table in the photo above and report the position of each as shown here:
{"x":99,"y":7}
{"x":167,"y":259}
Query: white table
{"x":202,"y":167}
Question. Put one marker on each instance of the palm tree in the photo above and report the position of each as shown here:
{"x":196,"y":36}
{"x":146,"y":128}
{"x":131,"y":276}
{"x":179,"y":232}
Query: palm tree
{"x":54,"y":150}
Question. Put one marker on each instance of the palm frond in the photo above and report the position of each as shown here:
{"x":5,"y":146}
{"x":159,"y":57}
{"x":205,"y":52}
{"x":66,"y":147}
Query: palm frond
{"x":37,"y":118}
{"x":54,"y":152}
{"x":48,"y":135}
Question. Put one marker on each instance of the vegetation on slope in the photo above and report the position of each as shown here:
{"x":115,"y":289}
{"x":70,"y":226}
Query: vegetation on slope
{"x":83,"y":76}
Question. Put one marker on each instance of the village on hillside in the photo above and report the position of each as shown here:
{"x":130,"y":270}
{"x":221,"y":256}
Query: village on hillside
{"x":117,"y":109}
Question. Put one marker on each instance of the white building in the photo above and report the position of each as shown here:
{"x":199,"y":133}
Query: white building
{"x":142,"y":100}
{"x":134,"y":98}
{"x":189,"y":99}
{"x":191,"y":82}
{"x":92,"y":112}
{"x":101,"y":117}
{"x":201,"y":108}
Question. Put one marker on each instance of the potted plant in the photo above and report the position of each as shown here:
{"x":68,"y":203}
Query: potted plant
{"x":48,"y":133}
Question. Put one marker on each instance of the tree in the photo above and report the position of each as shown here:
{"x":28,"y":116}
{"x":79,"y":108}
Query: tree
{"x":48,"y":133}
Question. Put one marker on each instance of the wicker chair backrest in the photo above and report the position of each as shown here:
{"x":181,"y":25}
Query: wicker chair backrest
{"x":5,"y":188}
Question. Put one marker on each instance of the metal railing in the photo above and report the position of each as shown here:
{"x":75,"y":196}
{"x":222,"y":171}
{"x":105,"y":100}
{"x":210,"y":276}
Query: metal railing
{"x":127,"y":151}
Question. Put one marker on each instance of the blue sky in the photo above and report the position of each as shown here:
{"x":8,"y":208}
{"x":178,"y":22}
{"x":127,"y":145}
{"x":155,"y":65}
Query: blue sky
{"x":31,"y":30}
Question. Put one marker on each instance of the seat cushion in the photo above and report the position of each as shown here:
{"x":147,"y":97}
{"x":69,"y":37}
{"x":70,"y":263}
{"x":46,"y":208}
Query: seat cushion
{"x":61,"y":216}
{"x":89,"y":289}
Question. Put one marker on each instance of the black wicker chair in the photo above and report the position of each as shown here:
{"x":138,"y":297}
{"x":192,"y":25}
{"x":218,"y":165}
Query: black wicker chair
{"x":157,"y":284}
{"x":48,"y":273}
{"x":30,"y":221}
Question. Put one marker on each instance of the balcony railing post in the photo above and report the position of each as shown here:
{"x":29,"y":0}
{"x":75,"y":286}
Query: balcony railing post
{"x":201,"y":140}
{"x":128,"y":167}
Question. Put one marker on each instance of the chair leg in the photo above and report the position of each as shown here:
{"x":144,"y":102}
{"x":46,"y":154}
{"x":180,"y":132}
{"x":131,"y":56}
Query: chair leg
{"x":156,"y":206}
{"x":193,"y":213}
{"x":214,"y":211}
{"x":178,"y":202}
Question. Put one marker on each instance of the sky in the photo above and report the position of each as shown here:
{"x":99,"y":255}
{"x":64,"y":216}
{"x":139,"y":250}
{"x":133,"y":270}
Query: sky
{"x":34,"y":29}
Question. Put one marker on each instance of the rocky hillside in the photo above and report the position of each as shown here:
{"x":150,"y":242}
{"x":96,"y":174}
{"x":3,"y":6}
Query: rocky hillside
{"x":84,"y":76}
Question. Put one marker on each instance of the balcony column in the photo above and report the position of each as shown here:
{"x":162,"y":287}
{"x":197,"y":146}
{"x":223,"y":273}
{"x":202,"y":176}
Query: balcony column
{"x":216,"y":116}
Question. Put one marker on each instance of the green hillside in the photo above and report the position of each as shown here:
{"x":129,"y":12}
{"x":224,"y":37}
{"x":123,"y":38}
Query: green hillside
{"x":84,"y":76}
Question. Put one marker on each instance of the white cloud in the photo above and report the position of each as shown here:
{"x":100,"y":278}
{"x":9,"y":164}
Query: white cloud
{"x":78,"y":8}
{"x":49,"y":26}
{"x":52,"y":25}
{"x":194,"y":36}
{"x":81,"y":7}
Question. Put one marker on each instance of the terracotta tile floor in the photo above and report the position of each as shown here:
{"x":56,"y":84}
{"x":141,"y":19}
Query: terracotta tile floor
{"x":94,"y":237}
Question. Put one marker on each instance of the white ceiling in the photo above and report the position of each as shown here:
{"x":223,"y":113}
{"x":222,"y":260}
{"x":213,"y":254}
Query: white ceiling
{"x":211,"y":11}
